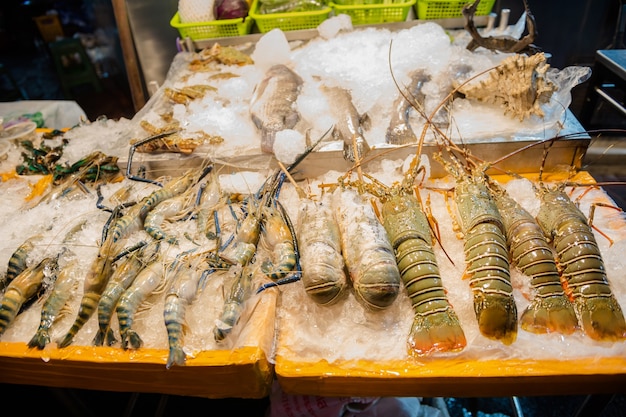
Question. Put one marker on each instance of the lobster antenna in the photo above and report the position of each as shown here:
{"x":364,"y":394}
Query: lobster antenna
{"x":546,"y":150}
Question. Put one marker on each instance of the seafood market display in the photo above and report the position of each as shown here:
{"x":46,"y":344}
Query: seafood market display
{"x":379,"y":261}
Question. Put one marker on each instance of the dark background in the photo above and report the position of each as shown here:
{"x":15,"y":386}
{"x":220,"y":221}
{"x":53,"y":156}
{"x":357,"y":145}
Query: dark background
{"x":570,"y":31}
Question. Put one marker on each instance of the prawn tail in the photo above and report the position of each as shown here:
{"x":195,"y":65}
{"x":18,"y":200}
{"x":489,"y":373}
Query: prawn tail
{"x":11,"y":305}
{"x":176,"y":356}
{"x":549,"y":314}
{"x":601,"y":317}
{"x":436,"y":332}
{"x":104,"y":336}
{"x":87,"y":307}
{"x":131,"y":340}
{"x":497,"y":316}
{"x":40,"y":339}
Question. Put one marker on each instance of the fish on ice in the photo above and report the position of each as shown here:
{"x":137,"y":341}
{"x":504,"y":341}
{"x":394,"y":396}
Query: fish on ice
{"x":273,"y":103}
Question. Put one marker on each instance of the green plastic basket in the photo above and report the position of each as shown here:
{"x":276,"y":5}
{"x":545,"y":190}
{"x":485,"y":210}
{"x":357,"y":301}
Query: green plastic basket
{"x":439,"y":9}
{"x":213,"y":29}
{"x":362,"y":14}
{"x":288,"y":21}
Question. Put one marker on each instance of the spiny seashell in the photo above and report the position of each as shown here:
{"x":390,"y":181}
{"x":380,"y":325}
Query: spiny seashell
{"x":518,"y":84}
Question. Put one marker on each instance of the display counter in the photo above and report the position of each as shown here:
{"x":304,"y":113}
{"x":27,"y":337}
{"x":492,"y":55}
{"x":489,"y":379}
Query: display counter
{"x":241,"y":373}
{"x":279,"y":333}
{"x":451,"y":378}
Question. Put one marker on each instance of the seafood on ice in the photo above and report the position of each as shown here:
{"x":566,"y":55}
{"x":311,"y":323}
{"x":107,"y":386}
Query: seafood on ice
{"x":272,"y":106}
{"x":278,"y":95}
{"x":360,"y":272}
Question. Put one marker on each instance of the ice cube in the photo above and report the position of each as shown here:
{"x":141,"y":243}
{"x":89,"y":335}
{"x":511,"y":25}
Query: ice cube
{"x":288,"y":144}
{"x":329,"y":28}
{"x":244,"y":182}
{"x":271,"y":49}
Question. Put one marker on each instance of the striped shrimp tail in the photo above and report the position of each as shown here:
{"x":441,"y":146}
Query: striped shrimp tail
{"x":88,"y":306}
{"x":131,"y":339}
{"x":173,"y":315}
{"x":17,"y":262}
{"x":103,"y":336}
{"x":106,"y":306}
{"x":11,"y":304}
{"x":176,"y":357}
{"x":550,"y":314}
{"x":40,"y":339}
{"x":438,"y":331}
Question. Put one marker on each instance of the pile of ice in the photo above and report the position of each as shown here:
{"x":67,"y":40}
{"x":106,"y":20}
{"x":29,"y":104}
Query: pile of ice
{"x":364,"y":61}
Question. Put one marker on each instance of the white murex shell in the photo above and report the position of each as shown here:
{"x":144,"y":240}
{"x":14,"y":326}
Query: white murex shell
{"x":518,"y":84}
